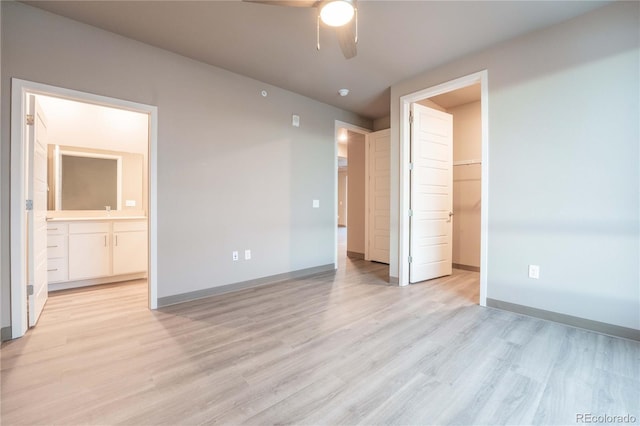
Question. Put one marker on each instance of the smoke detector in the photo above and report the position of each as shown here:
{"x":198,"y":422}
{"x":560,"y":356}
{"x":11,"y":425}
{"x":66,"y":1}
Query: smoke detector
{"x":343,"y":92}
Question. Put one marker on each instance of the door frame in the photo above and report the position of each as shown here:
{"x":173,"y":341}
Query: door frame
{"x":405,"y":143}
{"x":20,"y":89}
{"x":357,"y":129}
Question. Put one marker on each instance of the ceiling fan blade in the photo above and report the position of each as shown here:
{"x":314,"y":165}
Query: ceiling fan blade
{"x":347,"y":41}
{"x":288,"y":3}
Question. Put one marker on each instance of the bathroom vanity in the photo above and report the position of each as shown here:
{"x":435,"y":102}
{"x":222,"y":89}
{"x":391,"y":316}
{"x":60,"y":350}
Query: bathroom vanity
{"x":95,"y":250}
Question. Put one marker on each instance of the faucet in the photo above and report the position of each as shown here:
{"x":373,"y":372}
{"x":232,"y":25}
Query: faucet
{"x":108,"y":208}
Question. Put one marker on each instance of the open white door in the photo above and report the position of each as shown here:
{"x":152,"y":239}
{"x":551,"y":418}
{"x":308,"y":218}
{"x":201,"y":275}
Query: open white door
{"x":431,"y":194}
{"x":36,"y":216}
{"x":379,"y":145}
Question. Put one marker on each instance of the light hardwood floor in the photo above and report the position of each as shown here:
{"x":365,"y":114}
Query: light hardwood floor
{"x":341,"y":348}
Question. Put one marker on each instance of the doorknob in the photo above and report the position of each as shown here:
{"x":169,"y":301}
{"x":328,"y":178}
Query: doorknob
{"x":450,"y":216}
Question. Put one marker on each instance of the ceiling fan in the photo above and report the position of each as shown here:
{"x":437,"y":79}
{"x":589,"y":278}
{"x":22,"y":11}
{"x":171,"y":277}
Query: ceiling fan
{"x":338,"y":14}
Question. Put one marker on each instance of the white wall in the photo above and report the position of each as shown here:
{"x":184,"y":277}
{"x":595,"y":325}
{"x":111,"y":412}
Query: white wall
{"x":356,"y":193}
{"x":467,"y":145}
{"x":342,"y":149}
{"x":381,"y":123}
{"x":467,"y":131}
{"x":342,"y":198}
{"x":78,"y":124}
{"x":233,"y":173}
{"x":431,"y":104}
{"x":564,"y":164}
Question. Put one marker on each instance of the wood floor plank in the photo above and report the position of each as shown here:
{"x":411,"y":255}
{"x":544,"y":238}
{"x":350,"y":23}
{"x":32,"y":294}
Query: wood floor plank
{"x":336,"y":348}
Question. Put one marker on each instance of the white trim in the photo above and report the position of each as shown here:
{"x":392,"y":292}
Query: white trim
{"x":367,"y":186}
{"x":152,"y":208}
{"x":19,"y":91}
{"x":403,"y":235}
{"x":17,"y":216}
{"x":357,"y":129}
{"x":89,"y":155}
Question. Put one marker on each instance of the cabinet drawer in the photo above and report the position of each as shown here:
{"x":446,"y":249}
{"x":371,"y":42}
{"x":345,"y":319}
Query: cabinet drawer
{"x":56,"y":228}
{"x":57,"y":270}
{"x":56,"y":246}
{"x":88,"y":227}
{"x":139,"y":225}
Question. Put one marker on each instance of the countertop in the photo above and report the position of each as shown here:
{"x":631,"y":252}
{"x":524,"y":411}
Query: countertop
{"x":102,"y":218}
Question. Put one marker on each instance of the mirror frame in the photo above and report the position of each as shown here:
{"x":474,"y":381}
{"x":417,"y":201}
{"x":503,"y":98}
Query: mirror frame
{"x":58,"y":153}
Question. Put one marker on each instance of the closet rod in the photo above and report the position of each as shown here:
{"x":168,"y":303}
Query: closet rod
{"x":466,"y":162}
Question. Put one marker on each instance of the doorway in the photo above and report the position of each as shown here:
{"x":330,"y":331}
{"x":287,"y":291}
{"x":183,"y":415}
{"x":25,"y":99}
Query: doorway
{"x":406,"y":233}
{"x":363,"y":194}
{"x":22,"y":93}
{"x":356,"y":195}
{"x":350,"y":158}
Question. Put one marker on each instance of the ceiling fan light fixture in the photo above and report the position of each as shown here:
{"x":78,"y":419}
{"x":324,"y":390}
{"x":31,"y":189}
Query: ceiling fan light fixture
{"x":337,"y":13}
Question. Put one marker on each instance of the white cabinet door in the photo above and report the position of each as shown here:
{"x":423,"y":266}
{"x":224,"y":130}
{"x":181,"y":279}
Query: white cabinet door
{"x":129,"y":252}
{"x":89,"y":256}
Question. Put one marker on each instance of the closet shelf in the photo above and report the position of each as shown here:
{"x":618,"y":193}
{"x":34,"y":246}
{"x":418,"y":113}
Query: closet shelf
{"x":466,"y":162}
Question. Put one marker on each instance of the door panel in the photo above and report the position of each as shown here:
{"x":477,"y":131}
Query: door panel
{"x":379,"y":146}
{"x":431,"y":194}
{"x":36,"y":218}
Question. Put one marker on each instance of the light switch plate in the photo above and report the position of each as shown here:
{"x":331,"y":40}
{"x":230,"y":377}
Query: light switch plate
{"x":247,"y":254}
{"x":316,"y":204}
{"x":534,"y":272}
{"x":295,"y":120}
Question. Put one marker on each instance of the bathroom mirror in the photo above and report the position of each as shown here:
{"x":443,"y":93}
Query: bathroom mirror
{"x":88,"y":182}
{"x":90,"y":179}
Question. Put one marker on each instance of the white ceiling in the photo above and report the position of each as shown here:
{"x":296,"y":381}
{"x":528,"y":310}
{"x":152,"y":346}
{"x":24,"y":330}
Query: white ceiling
{"x":79,"y":124}
{"x":276,"y":45}
{"x":458,"y":97}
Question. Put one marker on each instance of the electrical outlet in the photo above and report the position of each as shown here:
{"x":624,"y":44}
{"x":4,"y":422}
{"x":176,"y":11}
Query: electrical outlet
{"x":235,"y":256}
{"x":247,"y":255}
{"x":534,"y":272}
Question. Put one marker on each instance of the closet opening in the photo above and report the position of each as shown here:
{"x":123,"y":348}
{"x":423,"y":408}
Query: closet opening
{"x":444,"y":184}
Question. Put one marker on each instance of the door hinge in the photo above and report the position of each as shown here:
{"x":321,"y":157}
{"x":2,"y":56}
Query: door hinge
{"x":30,"y":119}
{"x":410,"y":166}
{"x":410,"y":259}
{"x":410,"y":117}
{"x":410,"y":212}
{"x":30,"y":290}
{"x":29,"y":204}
